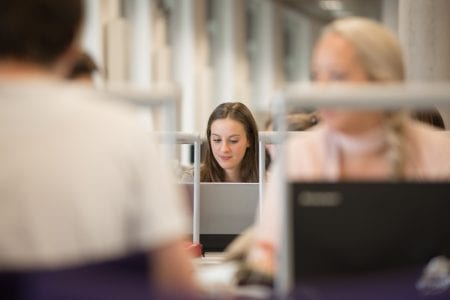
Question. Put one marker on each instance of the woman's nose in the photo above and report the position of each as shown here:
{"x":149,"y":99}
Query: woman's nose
{"x":225,"y":147}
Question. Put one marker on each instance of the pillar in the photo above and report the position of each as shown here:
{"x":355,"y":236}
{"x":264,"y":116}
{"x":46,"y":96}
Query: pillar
{"x":424,"y":30}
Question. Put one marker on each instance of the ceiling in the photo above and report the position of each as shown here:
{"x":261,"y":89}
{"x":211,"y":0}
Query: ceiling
{"x":326,"y":10}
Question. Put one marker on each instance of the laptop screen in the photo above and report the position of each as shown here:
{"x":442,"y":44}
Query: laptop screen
{"x":226,"y":209}
{"x":350,"y":228}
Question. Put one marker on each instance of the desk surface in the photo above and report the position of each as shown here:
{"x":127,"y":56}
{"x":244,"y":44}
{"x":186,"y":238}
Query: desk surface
{"x":216,"y":276}
{"x":395,"y":285}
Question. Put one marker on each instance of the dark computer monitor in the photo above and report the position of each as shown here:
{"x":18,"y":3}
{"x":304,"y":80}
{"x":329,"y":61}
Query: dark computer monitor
{"x":352,"y":228}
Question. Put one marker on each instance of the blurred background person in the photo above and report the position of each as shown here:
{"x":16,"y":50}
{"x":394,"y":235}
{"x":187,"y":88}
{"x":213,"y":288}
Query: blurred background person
{"x":232,"y":152}
{"x":295,"y":121}
{"x":83,"y":69}
{"x":81,"y":182}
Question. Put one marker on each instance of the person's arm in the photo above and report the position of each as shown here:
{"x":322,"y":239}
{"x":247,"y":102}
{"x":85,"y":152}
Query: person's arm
{"x":161,"y":220}
{"x":187,"y":176}
{"x":173,"y":271}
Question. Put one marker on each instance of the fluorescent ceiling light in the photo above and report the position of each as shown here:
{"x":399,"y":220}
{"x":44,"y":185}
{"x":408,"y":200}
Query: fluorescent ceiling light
{"x":331,"y":5}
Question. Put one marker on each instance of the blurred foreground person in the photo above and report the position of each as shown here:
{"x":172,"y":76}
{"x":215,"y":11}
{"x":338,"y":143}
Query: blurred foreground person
{"x":354,"y":144}
{"x":81,"y":181}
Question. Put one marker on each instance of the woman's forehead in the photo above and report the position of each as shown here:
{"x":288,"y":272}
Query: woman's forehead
{"x":227,"y":127}
{"x":335,"y":48}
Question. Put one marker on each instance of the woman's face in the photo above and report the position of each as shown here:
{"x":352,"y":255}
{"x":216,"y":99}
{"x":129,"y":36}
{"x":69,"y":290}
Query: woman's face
{"x":335,"y":60}
{"x":228,"y":143}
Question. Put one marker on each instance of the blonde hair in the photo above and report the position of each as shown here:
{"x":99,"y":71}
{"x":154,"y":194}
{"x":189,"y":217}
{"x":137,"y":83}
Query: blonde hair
{"x":379,"y":52}
{"x":378,"y":49}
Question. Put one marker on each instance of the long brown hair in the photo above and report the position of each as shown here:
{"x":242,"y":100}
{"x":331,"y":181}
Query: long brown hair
{"x":211,"y":170}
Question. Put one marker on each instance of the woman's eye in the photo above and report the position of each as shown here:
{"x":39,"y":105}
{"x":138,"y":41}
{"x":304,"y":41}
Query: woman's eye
{"x":234,"y":142}
{"x":216,"y":141}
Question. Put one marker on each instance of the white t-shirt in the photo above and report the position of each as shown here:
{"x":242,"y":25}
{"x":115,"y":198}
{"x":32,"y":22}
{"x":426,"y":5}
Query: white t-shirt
{"x":80,"y":180}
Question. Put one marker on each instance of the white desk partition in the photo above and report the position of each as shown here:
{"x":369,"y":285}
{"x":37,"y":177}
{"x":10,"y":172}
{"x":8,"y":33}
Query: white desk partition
{"x":163,"y":97}
{"x":196,"y":140}
{"x":265,"y":138}
{"x":160,"y":97}
{"x":374,"y":96}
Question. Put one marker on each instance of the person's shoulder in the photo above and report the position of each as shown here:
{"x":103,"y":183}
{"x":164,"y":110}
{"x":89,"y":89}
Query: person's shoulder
{"x":428,"y":135}
{"x":66,"y":99}
{"x":311,"y":137}
{"x":430,"y":148}
{"x":98,"y":113}
{"x":428,"y":139}
{"x":103,"y":102}
{"x":306,"y":152}
{"x":102,"y":109}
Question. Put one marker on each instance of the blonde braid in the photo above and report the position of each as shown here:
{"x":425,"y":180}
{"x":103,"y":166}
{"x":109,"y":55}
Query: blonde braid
{"x":395,"y":136}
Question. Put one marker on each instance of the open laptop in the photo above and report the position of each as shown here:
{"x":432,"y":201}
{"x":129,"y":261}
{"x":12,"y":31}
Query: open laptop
{"x":340,"y":229}
{"x":226,"y":209}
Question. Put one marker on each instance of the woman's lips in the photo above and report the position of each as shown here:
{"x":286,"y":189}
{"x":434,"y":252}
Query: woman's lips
{"x":225,"y":158}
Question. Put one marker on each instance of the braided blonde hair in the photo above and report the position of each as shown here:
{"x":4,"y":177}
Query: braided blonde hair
{"x":379,"y":52}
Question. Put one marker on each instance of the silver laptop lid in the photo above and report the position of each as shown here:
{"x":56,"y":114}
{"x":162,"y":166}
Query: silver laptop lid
{"x":226,"y":208}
